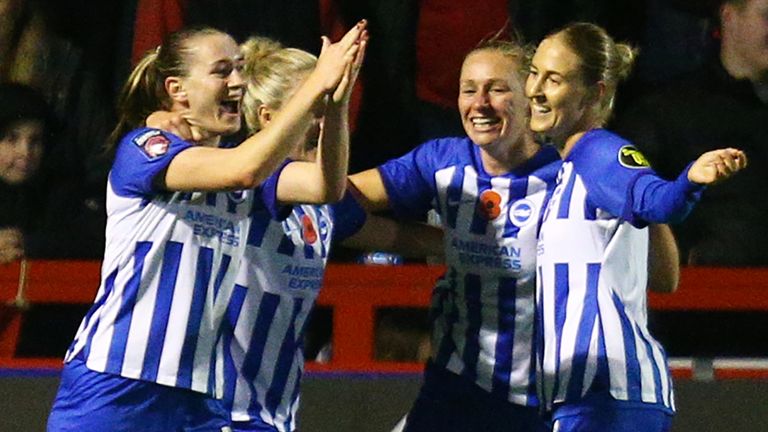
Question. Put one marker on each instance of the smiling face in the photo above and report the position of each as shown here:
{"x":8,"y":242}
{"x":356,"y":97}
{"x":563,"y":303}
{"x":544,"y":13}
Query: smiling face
{"x":21,"y":149}
{"x":561,"y":105}
{"x":491,"y":101}
{"x":745,"y":38}
{"x":213,"y":89}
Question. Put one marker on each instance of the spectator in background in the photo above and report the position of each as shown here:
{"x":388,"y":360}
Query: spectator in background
{"x":24,"y":123}
{"x":33,"y":52}
{"x":723,"y":104}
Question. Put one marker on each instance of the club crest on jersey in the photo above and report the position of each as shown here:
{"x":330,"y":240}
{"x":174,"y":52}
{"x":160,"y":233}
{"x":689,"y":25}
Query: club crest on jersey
{"x":153,"y":143}
{"x":489,"y":205}
{"x":631,"y":157}
{"x":308,"y":230}
{"x":522,"y":212}
{"x":322,"y":225}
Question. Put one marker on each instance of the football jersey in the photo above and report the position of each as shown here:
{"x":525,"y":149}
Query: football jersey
{"x":592,"y":274}
{"x":261,"y":355}
{"x":169,"y":268}
{"x":483,"y":306}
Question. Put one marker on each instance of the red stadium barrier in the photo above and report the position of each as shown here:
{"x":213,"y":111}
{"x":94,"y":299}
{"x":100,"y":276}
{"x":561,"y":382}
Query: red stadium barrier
{"x":355,"y":292}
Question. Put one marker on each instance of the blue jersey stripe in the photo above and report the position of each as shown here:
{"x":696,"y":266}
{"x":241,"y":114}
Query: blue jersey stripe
{"x":109,"y":287}
{"x":286,"y":246}
{"x":255,"y":353}
{"x":202,"y":279}
{"x":234,"y":309}
{"x":602,"y":379}
{"x":561,"y":305}
{"x":565,"y":197}
{"x":285,"y":361}
{"x":584,"y":333}
{"x":541,"y":298}
{"x":453,"y":195}
{"x":257,"y":230}
{"x":472,"y":291}
{"x":233,"y":199}
{"x":162,"y":311}
{"x":630,"y":350}
{"x":590,"y":211}
{"x":265,"y":316}
{"x":518,"y":189}
{"x":210,"y":199}
{"x":502,"y":368}
{"x":656,"y":372}
{"x":447,"y":302}
{"x":226,"y":260}
{"x":125,"y":315}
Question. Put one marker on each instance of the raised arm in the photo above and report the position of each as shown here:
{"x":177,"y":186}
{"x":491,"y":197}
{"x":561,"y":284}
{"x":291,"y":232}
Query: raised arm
{"x":247,"y":165}
{"x":663,"y":260}
{"x":324,"y":180}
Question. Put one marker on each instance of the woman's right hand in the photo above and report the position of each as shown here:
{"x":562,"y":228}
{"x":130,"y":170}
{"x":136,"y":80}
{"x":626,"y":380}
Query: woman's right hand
{"x":11,"y":245}
{"x":337,"y":58}
{"x":177,"y":123}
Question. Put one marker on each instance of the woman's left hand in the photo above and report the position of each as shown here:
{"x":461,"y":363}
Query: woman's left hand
{"x":715,"y":166}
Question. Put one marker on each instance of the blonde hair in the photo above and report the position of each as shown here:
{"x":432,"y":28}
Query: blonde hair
{"x":602,"y":59}
{"x":509,"y":48}
{"x":271,"y":72}
{"x":144,"y":91}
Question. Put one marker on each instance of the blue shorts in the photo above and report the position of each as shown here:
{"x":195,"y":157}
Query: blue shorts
{"x":602,"y":414}
{"x":90,"y":401}
{"x":450,"y":403}
{"x":252,"y":426}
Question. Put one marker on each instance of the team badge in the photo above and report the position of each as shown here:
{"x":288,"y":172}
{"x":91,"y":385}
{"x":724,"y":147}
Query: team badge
{"x":322,"y":225}
{"x":308,"y":230}
{"x":631,"y":157}
{"x":489,"y":206}
{"x":521,"y":213}
{"x":153,"y":143}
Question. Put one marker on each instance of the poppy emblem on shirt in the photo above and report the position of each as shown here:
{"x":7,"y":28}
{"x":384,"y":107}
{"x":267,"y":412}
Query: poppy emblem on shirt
{"x":630,"y":157}
{"x":308,"y":230}
{"x":521,"y":213}
{"x":489,"y":206}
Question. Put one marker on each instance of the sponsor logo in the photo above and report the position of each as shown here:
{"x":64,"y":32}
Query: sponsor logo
{"x":522,"y":212}
{"x":631,"y":157}
{"x":153,"y":143}
{"x":489,"y":206}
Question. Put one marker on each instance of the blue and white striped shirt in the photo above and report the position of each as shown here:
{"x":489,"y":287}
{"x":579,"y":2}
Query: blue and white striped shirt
{"x":261,"y":355}
{"x":169,"y":266}
{"x":592,"y":274}
{"x":483,"y":307}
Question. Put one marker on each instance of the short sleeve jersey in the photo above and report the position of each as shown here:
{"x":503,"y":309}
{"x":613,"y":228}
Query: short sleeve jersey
{"x":169,"y":268}
{"x":483,"y":307}
{"x":262,"y":354}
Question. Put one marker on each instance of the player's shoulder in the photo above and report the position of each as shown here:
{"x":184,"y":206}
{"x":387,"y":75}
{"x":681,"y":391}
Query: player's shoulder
{"x":604,"y":148}
{"x":153,"y":143}
{"x":447,"y":151}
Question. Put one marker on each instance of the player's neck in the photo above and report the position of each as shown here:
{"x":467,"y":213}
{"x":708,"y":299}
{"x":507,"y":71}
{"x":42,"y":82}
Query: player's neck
{"x":570,"y":142}
{"x":501,"y":159}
